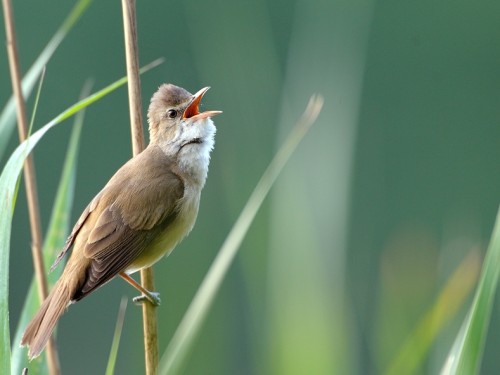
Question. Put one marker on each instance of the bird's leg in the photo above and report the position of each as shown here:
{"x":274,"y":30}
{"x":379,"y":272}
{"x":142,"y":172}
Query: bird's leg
{"x":153,"y":297}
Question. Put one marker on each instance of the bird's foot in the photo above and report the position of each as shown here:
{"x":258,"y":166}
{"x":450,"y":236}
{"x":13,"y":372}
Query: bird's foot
{"x":152,"y":297}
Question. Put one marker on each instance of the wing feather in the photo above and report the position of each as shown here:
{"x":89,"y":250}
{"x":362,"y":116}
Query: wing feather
{"x":129,"y":219}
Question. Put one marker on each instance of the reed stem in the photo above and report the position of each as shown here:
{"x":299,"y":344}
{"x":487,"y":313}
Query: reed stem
{"x":150,"y":325}
{"x":29,"y":175}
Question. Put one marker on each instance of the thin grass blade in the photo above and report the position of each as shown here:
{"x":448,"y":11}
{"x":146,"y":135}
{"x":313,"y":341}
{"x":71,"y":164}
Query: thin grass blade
{"x":186,"y":331}
{"x":110,"y":369}
{"x":8,"y":115}
{"x":99,"y":94}
{"x":37,"y":100}
{"x":412,"y":353}
{"x":466,"y":354}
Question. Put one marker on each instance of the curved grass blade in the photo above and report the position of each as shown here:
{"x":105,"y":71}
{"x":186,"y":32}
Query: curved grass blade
{"x":59,"y":226}
{"x":8,"y":180}
{"x":467,"y":351}
{"x":8,"y":116}
{"x":412,"y":353}
{"x":192,"y":320}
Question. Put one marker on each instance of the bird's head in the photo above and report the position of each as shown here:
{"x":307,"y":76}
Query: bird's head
{"x":177,"y":125}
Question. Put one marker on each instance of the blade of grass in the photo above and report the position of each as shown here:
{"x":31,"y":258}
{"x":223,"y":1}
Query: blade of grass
{"x":412,"y":353}
{"x":37,"y":100}
{"x":110,"y":369}
{"x":5,"y":222}
{"x":100,"y":94}
{"x":467,"y":351}
{"x":59,"y":226}
{"x":192,"y":320}
{"x":8,"y":116}
{"x":8,"y":181}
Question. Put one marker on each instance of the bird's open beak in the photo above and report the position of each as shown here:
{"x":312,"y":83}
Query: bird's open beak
{"x":192,"y":111}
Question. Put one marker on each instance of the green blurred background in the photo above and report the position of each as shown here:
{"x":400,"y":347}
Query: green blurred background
{"x":394,"y":185}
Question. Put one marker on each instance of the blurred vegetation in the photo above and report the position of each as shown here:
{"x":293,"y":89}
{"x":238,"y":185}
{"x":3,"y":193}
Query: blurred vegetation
{"x":393,"y":188}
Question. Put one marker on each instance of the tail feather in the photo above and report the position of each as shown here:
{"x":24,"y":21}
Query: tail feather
{"x":39,"y":330}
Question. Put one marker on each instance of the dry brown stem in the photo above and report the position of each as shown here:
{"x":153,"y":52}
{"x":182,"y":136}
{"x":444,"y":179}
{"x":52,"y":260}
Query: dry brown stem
{"x":134,"y":90}
{"x":29,"y":175}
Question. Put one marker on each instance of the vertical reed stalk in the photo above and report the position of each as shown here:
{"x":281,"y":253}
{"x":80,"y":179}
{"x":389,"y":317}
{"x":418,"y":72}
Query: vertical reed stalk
{"x":29,"y":175}
{"x":134,"y":90}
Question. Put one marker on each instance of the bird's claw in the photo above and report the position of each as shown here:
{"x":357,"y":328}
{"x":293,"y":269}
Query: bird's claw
{"x":153,"y":298}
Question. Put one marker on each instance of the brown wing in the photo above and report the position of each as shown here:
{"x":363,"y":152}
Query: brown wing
{"x":112,"y":247}
{"x":123,"y":219}
{"x":76,"y":229}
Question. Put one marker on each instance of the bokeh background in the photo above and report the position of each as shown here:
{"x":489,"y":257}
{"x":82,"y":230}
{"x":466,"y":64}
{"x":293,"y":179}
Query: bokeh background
{"x":397,"y":182}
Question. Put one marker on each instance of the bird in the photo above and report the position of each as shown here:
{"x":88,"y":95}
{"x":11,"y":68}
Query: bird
{"x":146,"y":208}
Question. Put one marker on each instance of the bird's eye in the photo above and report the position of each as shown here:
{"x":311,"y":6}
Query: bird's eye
{"x":172,"y":113}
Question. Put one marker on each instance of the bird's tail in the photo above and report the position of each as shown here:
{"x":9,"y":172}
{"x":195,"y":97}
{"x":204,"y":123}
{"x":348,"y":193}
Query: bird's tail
{"x":38,"y":331}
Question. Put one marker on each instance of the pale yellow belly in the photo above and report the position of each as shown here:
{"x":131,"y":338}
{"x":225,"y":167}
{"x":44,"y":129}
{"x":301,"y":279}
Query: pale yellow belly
{"x":166,"y":241}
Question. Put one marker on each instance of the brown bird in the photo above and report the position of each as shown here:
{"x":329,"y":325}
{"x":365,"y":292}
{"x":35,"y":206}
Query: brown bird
{"x":144,"y":210}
